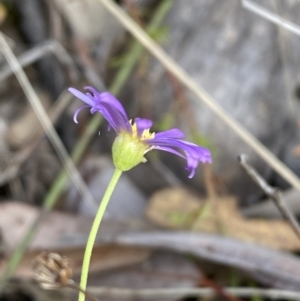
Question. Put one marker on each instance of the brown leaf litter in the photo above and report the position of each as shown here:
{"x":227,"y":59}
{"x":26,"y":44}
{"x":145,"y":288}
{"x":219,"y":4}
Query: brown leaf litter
{"x":65,"y":234}
{"x":177,"y":208}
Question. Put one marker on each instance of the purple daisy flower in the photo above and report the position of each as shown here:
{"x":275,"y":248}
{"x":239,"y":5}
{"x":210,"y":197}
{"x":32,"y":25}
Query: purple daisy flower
{"x":169,"y":141}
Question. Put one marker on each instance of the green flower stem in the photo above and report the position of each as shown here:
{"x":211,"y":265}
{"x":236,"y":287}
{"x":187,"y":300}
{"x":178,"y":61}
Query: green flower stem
{"x":93,"y":233}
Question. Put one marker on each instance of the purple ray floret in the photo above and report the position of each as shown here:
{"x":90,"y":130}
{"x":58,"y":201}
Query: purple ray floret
{"x":169,"y":141}
{"x":104,"y":103}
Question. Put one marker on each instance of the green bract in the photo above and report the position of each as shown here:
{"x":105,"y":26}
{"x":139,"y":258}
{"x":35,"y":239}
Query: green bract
{"x":127,"y":151}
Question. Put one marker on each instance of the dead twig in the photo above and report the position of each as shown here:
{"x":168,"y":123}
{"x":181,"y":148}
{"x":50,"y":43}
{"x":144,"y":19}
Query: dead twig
{"x":273,"y":193}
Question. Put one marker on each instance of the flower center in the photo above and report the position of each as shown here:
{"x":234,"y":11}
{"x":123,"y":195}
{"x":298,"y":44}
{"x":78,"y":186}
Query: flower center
{"x":146,"y":135}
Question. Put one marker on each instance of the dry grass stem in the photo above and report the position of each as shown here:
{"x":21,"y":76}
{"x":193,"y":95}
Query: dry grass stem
{"x":266,"y":14}
{"x":199,"y":292}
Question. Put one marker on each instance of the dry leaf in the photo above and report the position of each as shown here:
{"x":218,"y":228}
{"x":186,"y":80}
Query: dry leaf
{"x":271,"y":267}
{"x":65,"y":234}
{"x":179,"y":209}
{"x":104,"y":257}
{"x":16,"y":218}
{"x":57,"y":230}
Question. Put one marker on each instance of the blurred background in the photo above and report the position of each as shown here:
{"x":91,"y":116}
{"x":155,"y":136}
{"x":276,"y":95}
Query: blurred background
{"x":161,"y":229}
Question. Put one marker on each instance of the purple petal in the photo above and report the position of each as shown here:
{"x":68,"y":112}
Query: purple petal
{"x":142,"y":124}
{"x":196,"y":149}
{"x":77,"y":112}
{"x":173,"y":133}
{"x":193,"y":153}
{"x":114,"y":112}
{"x":113,"y":102}
{"x":92,"y":90}
{"x":168,"y":149}
{"x":193,"y":170}
{"x":81,"y":96}
{"x":106,"y":104}
{"x":116,"y":119}
{"x":190,"y":167}
{"x":107,"y":98}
